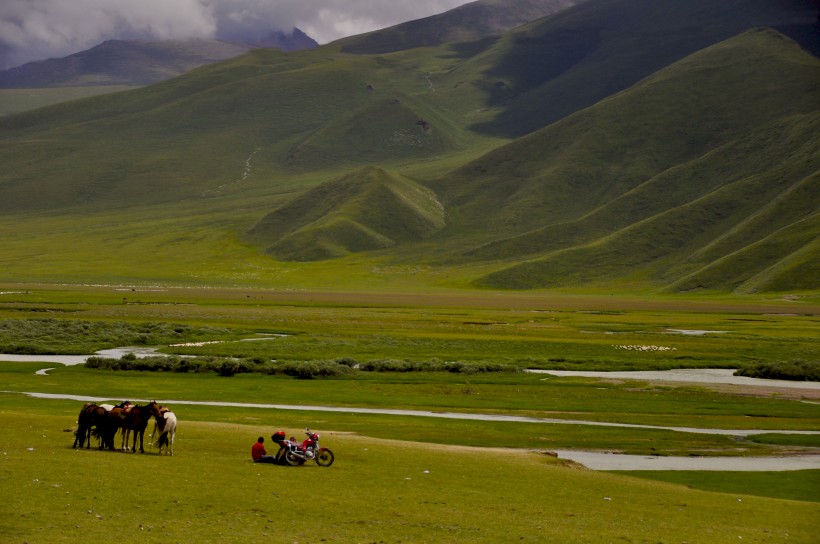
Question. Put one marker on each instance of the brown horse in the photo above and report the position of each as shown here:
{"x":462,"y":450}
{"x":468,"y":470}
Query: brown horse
{"x":118,"y":414}
{"x":83,"y":432}
{"x":136,"y":420}
{"x":94,"y":420}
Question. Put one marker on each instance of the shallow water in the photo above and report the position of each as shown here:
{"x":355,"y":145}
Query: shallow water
{"x":612,"y":461}
{"x":71,"y":360}
{"x":691,"y":375}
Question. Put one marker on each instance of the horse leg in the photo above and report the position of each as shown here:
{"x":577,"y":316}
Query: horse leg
{"x":110,"y":433}
{"x":142,"y":434}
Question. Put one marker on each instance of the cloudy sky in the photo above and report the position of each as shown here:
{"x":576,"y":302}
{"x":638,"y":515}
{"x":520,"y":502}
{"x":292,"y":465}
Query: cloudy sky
{"x":40,"y":29}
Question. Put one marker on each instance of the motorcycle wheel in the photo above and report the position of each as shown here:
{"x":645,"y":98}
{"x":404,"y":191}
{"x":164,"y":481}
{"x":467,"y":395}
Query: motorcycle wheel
{"x":324,"y":457}
{"x":293,"y":460}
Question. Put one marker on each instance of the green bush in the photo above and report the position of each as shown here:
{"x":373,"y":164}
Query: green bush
{"x":298,"y":369}
{"x":456,"y":367}
{"x":796,"y":370}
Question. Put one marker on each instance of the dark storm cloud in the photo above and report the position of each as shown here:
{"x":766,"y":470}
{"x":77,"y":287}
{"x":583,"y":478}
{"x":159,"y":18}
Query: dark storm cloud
{"x":38,"y":29}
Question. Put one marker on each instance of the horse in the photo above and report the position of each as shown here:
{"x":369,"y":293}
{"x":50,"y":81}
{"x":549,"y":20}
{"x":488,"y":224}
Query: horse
{"x":167,"y":423}
{"x":83,"y":432}
{"x":118,"y":414}
{"x":94,"y":419}
{"x":136,"y":420}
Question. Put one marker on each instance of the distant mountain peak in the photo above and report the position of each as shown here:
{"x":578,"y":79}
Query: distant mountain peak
{"x":295,"y":40}
{"x":141,"y":62}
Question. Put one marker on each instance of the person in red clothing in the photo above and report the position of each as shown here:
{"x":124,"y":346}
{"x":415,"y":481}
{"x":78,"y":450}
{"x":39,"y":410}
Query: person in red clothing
{"x":259,"y":454}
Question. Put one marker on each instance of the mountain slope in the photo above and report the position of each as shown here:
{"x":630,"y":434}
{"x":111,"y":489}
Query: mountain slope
{"x":651,"y":180}
{"x":469,"y":22}
{"x":581,"y":55}
{"x":702,"y":175}
{"x":364,"y":210}
{"x":289,"y":113}
{"x":194,"y":135}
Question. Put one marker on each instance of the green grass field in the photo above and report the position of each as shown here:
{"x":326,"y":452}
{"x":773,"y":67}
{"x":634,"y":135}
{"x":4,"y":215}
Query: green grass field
{"x":400,"y":477}
{"x":377,"y":491}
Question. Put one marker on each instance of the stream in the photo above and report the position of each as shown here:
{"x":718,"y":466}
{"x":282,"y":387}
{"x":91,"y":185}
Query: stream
{"x":592,"y":460}
{"x":690,"y":375}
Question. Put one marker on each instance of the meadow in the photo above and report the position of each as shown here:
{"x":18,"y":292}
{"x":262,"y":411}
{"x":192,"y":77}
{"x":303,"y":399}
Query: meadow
{"x":400,"y":478}
{"x":377,"y":491}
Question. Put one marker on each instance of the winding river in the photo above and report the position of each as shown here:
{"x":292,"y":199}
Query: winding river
{"x":592,"y":460}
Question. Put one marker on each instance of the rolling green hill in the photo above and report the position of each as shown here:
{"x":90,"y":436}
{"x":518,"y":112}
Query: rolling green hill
{"x":701,"y":162}
{"x":501,"y":163}
{"x":558,"y":65}
{"x":364,"y":210}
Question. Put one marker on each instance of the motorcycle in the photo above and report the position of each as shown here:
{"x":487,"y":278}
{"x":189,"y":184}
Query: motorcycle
{"x":296,"y":453}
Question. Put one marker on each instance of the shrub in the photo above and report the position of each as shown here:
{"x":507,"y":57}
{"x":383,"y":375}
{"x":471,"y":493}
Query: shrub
{"x":298,"y":369}
{"x":797,"y":370}
{"x":227,"y":368}
{"x":348,"y":362}
{"x":306,"y":370}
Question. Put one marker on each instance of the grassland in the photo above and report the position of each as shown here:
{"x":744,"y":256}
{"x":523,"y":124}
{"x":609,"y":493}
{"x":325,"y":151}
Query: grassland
{"x":378,"y":490}
{"x":399,"y":477}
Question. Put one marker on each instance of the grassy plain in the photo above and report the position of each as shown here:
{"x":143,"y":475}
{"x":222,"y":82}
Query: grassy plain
{"x":377,"y":491}
{"x":399,"y":477}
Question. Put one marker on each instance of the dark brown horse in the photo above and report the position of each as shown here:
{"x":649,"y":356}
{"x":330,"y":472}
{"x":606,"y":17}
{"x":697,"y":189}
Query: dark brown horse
{"x":95,"y":420}
{"x":136,"y":420}
{"x":118,"y":414}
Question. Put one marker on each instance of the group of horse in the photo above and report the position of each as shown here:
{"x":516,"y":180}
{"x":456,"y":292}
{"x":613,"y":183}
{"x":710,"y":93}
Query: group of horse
{"x":103,"y":421}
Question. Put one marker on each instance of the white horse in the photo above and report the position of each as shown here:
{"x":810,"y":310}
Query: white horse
{"x":167,"y":429}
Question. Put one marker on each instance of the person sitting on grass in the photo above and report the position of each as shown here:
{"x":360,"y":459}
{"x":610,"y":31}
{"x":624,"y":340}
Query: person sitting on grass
{"x":259,"y":454}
